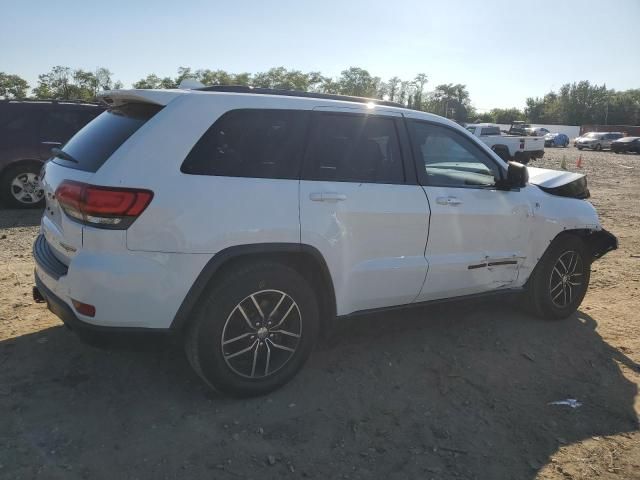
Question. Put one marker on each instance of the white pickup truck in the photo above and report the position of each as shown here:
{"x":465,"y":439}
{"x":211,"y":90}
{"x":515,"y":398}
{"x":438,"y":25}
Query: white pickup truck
{"x":508,"y":147}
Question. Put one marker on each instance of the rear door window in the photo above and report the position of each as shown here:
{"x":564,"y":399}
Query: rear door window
{"x":258,"y":143}
{"x":98,"y":140}
{"x":490,"y":131}
{"x":353,"y":148}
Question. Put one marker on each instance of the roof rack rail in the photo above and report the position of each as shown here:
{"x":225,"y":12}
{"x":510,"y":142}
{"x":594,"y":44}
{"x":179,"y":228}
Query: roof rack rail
{"x":296,"y":93}
{"x":48,"y":100}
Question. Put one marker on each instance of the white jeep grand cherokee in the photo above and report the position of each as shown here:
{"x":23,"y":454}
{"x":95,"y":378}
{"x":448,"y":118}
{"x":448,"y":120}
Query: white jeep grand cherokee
{"x":246,"y":220}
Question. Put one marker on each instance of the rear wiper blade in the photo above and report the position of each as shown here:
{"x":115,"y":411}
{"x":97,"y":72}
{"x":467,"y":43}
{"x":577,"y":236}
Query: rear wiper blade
{"x":58,"y":152}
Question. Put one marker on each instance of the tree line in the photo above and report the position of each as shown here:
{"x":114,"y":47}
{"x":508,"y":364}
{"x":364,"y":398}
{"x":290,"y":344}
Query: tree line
{"x":574,"y":104}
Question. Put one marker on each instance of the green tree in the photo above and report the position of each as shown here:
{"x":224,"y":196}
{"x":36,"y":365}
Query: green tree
{"x":505,"y":115}
{"x":583,"y":103}
{"x":451,"y":101}
{"x":393,"y":87}
{"x":359,"y":83}
{"x":281,"y":78}
{"x":419,"y":82}
{"x":12,"y":86}
{"x":154,"y":81}
{"x":66,"y":84}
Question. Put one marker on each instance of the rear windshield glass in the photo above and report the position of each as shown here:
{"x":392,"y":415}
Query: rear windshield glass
{"x":99,"y":139}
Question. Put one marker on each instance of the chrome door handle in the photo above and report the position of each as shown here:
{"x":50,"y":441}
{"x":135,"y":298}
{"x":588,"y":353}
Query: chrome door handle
{"x":327,"y":197}
{"x":453,"y":201}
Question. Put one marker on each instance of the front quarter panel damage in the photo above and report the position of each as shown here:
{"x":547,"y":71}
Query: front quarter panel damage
{"x":554,"y":215}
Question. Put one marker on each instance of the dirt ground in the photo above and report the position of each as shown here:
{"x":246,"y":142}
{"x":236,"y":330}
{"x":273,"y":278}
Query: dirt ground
{"x":455,"y":391}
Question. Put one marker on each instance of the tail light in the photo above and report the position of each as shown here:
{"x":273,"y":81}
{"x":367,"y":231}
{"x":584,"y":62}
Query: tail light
{"x":102,"y":207}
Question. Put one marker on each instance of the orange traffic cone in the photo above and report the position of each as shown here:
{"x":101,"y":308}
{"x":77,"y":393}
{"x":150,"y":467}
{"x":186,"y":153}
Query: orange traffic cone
{"x":579,"y":162}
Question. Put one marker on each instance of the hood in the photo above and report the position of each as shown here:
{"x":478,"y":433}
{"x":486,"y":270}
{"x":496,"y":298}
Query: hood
{"x":557,"y":182}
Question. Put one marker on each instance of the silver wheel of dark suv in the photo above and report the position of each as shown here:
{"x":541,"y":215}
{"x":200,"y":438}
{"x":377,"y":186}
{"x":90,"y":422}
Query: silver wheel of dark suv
{"x":20,"y":186}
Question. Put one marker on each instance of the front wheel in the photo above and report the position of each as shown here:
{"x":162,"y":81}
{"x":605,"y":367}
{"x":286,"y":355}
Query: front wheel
{"x":598,"y":147}
{"x":560,"y":281}
{"x":254,"y":329}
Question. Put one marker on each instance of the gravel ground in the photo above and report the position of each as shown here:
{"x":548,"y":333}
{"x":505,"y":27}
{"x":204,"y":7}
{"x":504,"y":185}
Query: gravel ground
{"x":456,"y":391}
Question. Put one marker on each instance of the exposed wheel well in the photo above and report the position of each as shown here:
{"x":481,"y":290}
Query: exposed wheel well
{"x":502,"y":151}
{"x":305,"y":259}
{"x":598,"y":242}
{"x":26,"y":161}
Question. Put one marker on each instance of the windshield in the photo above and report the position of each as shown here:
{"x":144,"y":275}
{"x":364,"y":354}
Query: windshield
{"x":593,"y":135}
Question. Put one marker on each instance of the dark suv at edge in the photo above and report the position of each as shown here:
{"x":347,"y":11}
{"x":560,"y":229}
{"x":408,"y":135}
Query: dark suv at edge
{"x":28,"y":131}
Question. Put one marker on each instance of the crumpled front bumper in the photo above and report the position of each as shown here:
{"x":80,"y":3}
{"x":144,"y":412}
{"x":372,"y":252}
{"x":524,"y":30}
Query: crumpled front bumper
{"x":602,"y":242}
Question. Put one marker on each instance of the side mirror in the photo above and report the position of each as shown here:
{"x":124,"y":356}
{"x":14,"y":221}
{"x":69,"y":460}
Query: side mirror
{"x":517,"y":175}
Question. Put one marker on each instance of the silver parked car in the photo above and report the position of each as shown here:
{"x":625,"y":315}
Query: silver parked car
{"x":597,"y":140}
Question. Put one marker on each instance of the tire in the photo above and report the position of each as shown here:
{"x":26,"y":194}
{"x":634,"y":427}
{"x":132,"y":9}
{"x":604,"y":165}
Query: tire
{"x":579,"y":148}
{"x":521,"y":157}
{"x":598,"y":147}
{"x":19,"y":186}
{"x":503,"y":153}
{"x":548,"y":295}
{"x":228,"y":311}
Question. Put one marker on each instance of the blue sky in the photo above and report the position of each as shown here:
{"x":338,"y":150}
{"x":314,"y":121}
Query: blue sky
{"x":503,"y":51}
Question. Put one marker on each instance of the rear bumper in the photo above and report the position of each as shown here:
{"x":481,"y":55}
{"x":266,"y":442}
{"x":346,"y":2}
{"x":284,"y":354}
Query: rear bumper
{"x":87,"y":331}
{"x":129,"y":290}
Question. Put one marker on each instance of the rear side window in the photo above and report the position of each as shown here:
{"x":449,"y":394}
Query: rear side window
{"x":98,"y":140}
{"x":490,"y":131}
{"x":353,"y":148}
{"x":257,"y":143}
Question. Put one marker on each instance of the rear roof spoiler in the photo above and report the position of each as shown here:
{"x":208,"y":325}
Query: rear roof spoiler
{"x":156,"y":97}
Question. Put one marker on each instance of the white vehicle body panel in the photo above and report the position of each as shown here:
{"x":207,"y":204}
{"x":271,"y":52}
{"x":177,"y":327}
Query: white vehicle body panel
{"x":372,"y":265}
{"x":477,"y":240}
{"x":384,"y":245}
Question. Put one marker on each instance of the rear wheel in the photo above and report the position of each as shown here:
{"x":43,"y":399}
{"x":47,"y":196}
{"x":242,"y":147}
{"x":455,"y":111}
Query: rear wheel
{"x":521,"y":157}
{"x":20,"y":186}
{"x":502,"y":152}
{"x":253,"y":330}
{"x":560,"y":280}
